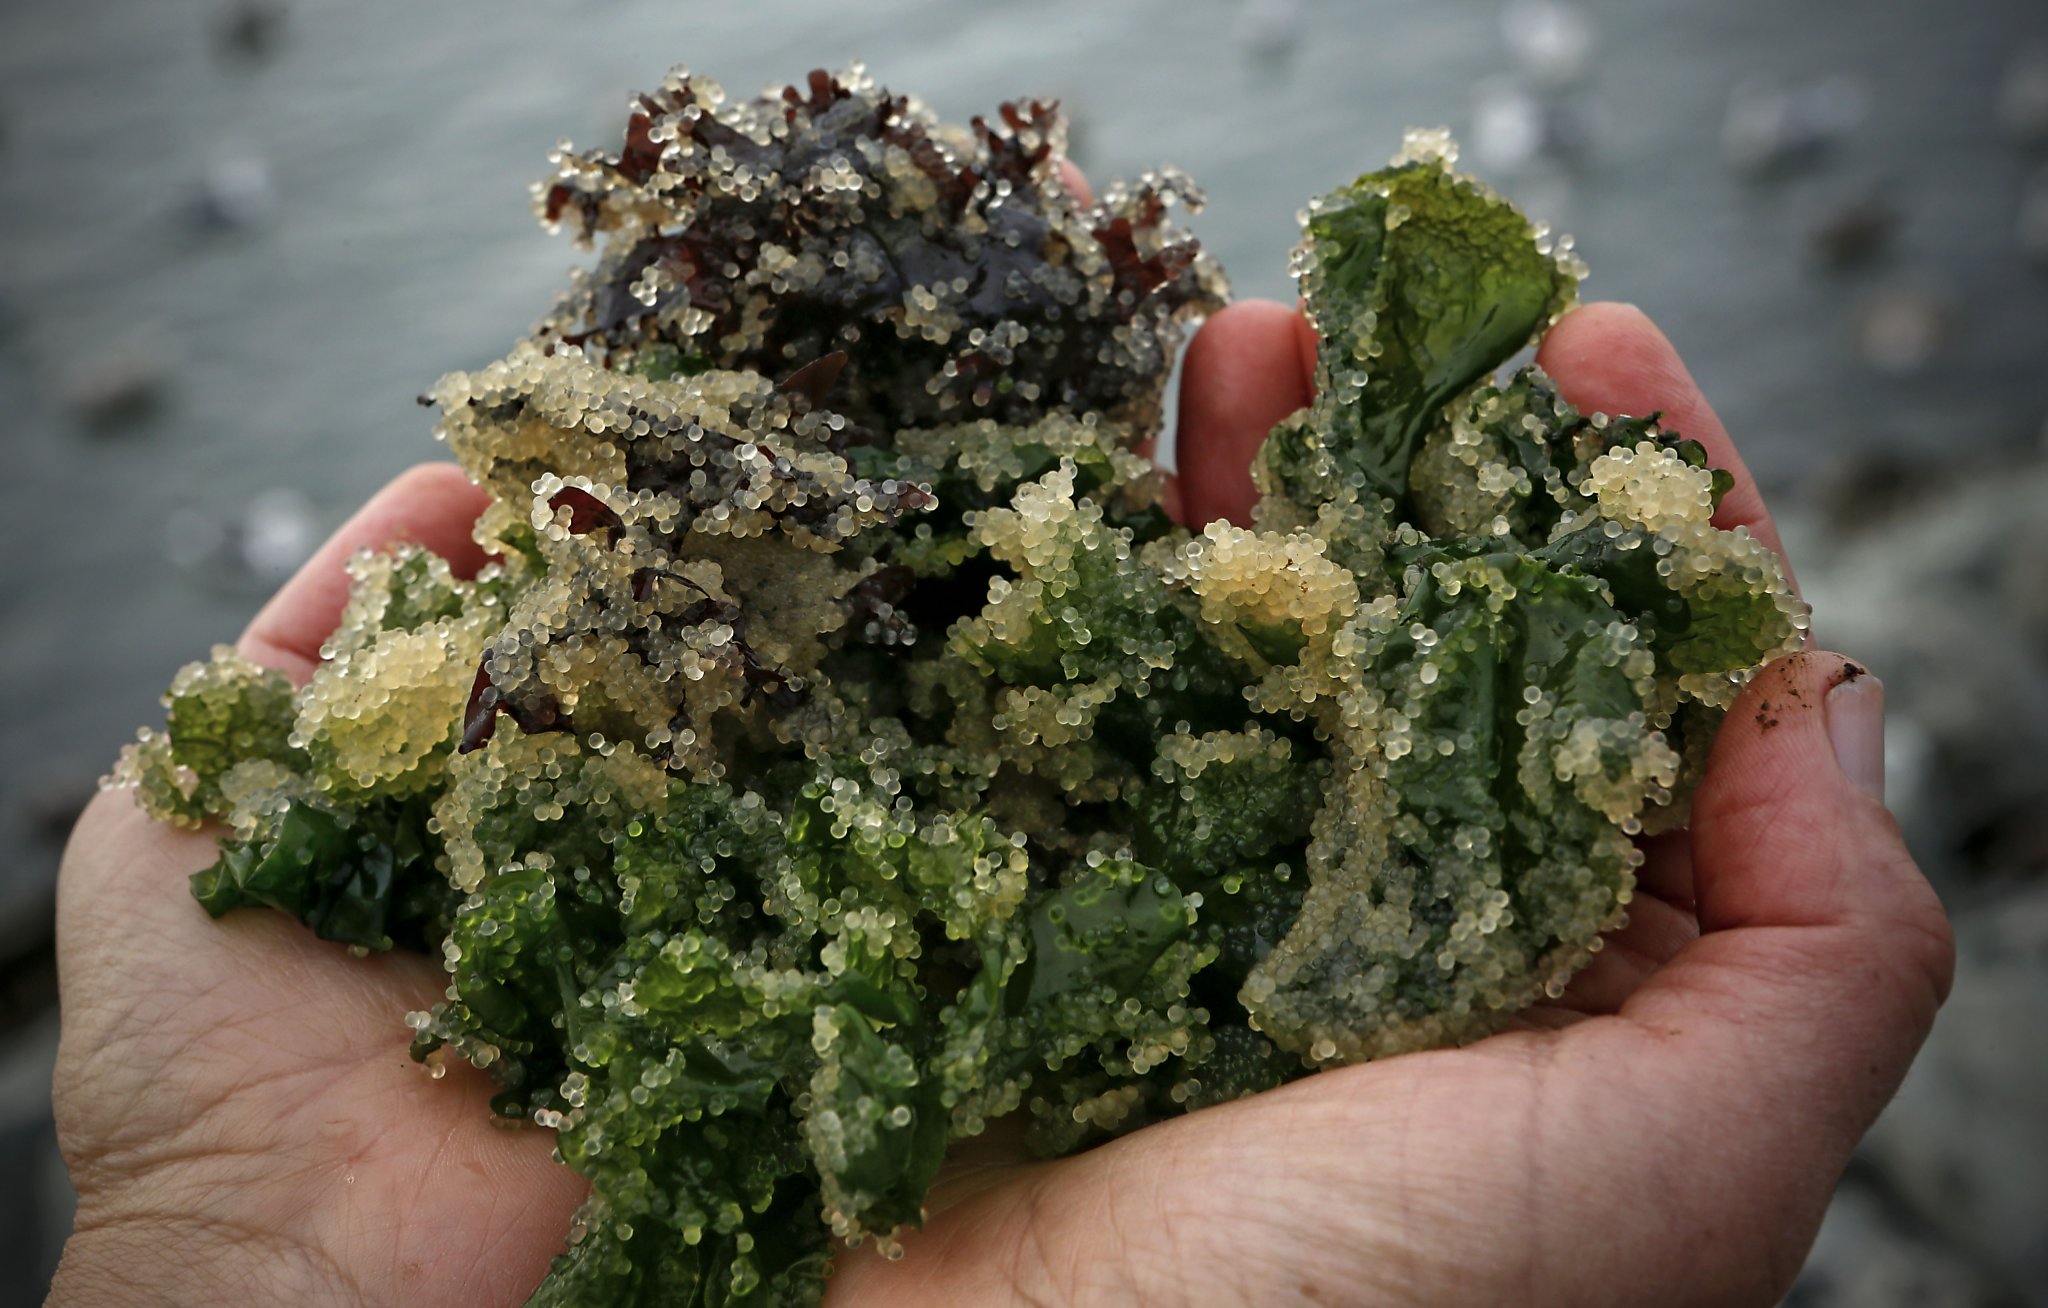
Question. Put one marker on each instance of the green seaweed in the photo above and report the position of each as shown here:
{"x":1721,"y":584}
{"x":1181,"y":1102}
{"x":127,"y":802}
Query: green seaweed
{"x":846,"y":751}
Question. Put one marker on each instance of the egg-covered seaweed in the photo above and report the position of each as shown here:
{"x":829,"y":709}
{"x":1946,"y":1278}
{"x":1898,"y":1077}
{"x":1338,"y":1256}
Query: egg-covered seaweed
{"x":844,"y":750}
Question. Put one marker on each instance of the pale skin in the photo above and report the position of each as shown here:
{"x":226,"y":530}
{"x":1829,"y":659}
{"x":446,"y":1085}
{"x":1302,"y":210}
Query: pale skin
{"x":242,"y":1121}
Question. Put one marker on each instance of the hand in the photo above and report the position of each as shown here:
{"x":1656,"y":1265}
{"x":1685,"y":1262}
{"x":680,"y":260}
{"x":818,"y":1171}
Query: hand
{"x":240,"y":1115}
{"x":1667,"y":1133}
{"x":235,"y":1099}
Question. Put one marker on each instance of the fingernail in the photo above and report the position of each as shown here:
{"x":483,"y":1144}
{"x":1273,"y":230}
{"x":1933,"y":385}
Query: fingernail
{"x":1855,"y":714}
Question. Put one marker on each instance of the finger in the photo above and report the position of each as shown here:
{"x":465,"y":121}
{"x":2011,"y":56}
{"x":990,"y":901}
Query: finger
{"x":1076,"y":183}
{"x":1824,"y":952}
{"x":1795,"y":777}
{"x":1667,"y":868}
{"x":432,"y":505}
{"x":1661,"y":921}
{"x":1655,"y":933}
{"x":1610,"y":358}
{"x":1250,"y":366}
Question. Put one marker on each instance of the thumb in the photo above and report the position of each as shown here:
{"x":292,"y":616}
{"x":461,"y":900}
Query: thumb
{"x":1790,"y":838}
{"x":1778,"y":1035}
{"x":1823,"y":952}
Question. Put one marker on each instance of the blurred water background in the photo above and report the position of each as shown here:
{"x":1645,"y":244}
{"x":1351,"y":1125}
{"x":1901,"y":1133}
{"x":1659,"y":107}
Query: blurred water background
{"x":238,"y":237}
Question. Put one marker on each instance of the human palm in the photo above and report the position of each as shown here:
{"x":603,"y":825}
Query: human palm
{"x":240,"y":1114}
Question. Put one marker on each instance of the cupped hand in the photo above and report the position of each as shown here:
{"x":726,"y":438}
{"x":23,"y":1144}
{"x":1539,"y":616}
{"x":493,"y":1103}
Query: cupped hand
{"x":241,"y":1117}
{"x":235,"y":1099}
{"x":1668,"y":1132}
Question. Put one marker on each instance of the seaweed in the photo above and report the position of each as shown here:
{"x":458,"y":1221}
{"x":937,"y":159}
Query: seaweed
{"x":845,"y":751}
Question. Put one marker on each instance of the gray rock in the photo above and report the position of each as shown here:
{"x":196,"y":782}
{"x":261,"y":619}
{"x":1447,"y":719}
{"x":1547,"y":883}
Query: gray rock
{"x":1856,"y":232}
{"x":2031,"y":229}
{"x":2023,"y":96}
{"x":1901,"y":329}
{"x":1553,"y":42}
{"x":1772,"y":130}
{"x":36,"y":1204}
{"x":1870,"y":1254}
{"x":1963,"y":1143}
{"x":1927,"y":583}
